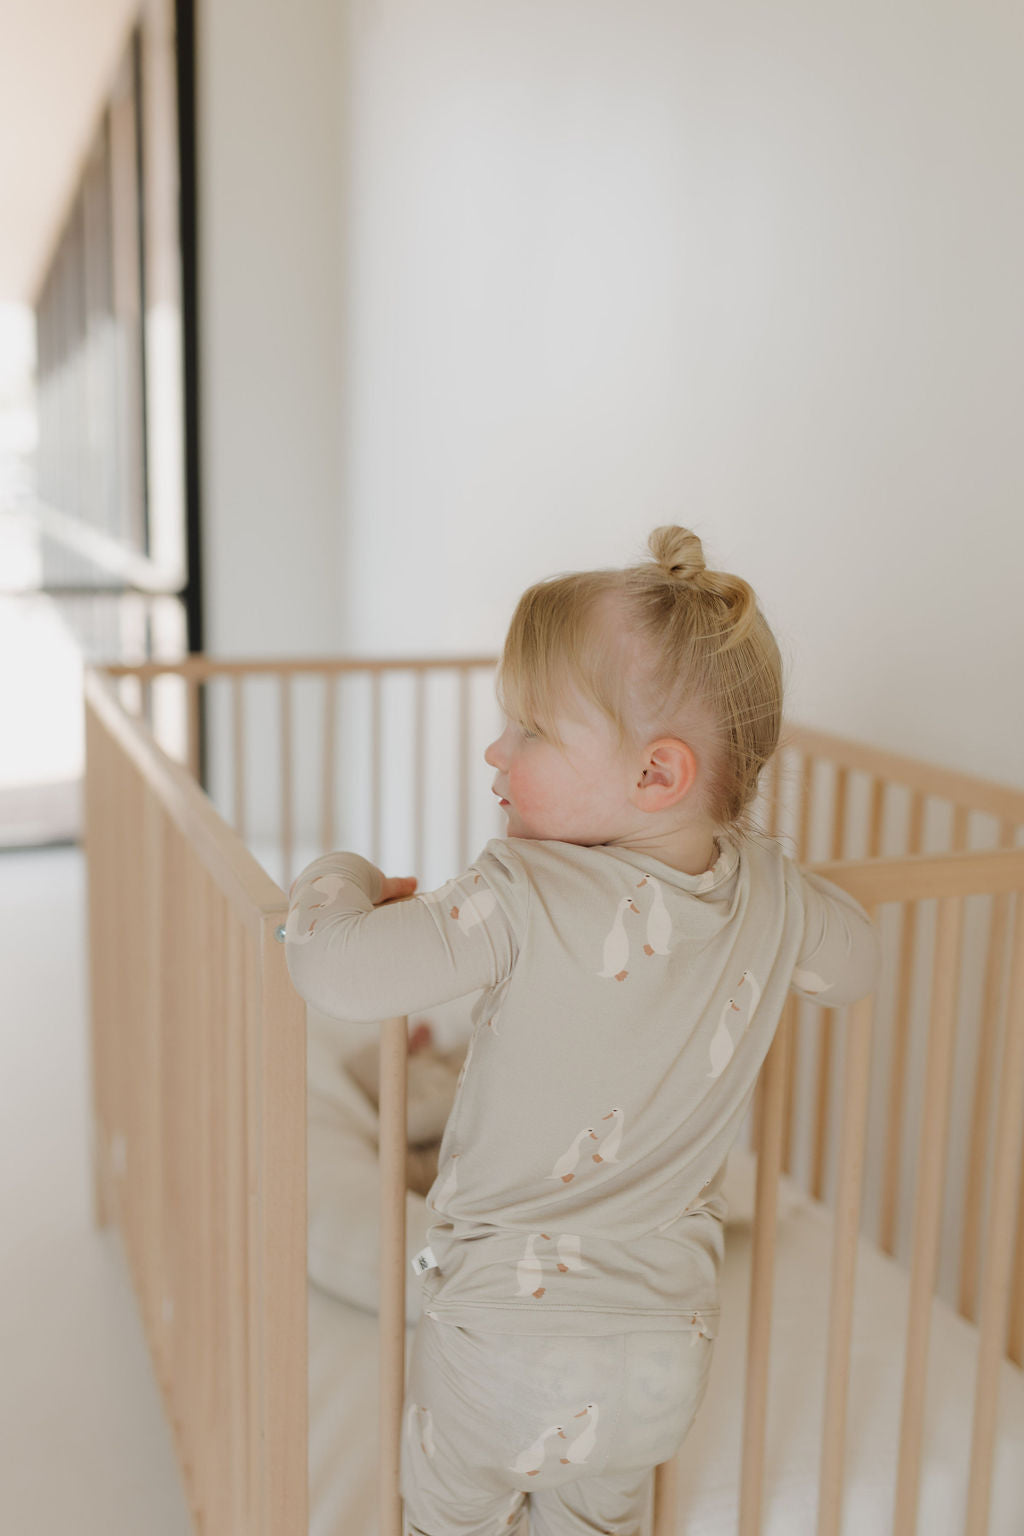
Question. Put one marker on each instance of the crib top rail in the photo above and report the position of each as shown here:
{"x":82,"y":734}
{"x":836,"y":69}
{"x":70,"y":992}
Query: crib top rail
{"x":972,"y":791}
{"x":200,"y":667}
{"x":962,"y":790}
{"x":922,"y":878}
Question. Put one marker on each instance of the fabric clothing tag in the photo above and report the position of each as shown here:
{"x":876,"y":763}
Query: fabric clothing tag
{"x":423,"y":1261}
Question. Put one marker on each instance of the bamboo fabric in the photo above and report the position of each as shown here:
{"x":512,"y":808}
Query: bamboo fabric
{"x":625,"y":1010}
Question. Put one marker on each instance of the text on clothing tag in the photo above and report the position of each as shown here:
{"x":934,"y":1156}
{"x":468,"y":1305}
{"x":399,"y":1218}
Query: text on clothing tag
{"x":423,"y":1261}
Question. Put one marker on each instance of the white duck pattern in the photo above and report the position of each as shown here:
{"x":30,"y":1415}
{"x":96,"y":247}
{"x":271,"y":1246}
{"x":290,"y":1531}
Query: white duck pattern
{"x":421,"y":1425}
{"x":723,"y":1043}
{"x":577,"y":1450}
{"x":659,"y":923}
{"x":810,"y":981}
{"x":312,"y":899}
{"x":615,"y":951}
{"x":566,"y":1166}
{"x":530,"y":1271}
{"x":529,"y":1462}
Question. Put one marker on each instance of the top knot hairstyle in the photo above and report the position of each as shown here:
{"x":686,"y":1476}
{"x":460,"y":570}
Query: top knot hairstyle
{"x":667,"y":647}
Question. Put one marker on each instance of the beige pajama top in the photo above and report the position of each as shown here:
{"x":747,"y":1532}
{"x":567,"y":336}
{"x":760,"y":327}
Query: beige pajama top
{"x":626,"y":1010}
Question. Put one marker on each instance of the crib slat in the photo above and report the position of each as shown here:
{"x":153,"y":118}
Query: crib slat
{"x":218,"y":1254}
{"x":157,"y":958}
{"x":791,"y":1015}
{"x":327,"y":784}
{"x":463,"y":775}
{"x":900,"y":1047}
{"x":850,"y":1184}
{"x":190,"y":1235}
{"x":769,"y":1162}
{"x":287,"y":839}
{"x":238,"y":750}
{"x":393,"y":1138}
{"x":419,"y":769}
{"x":208,"y":960}
{"x":805,"y":802}
{"x":375,"y":766}
{"x":984,"y":1080}
{"x":236,"y":1229}
{"x":666,"y":1497}
{"x":839,"y":812}
{"x":1015,"y":1333}
{"x":825,"y":1019}
{"x":996,"y":1280}
{"x":877,"y":813}
{"x":960,"y":828}
{"x":928,"y":1205}
{"x":281,"y":1240}
{"x":254,"y":1277}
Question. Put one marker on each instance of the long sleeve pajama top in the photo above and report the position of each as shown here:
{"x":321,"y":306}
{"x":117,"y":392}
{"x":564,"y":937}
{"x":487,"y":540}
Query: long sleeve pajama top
{"x":626,"y":1009}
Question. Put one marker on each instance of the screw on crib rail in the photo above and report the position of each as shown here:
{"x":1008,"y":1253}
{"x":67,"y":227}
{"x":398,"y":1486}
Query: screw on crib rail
{"x":279,"y":933}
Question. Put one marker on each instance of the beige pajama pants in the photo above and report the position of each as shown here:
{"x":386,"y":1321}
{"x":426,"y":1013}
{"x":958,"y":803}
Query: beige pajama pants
{"x":569,"y":1427}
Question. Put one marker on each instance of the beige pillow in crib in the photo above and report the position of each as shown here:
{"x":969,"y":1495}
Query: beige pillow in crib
{"x":344,"y":1173}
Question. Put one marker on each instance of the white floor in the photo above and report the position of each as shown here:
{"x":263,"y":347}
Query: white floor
{"x":84,"y":1449}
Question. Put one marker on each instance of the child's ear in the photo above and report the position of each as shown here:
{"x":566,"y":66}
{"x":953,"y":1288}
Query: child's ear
{"x":668,"y":771}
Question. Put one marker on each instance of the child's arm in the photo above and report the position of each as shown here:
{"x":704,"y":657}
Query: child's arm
{"x":352,"y":957}
{"x":840,"y":956}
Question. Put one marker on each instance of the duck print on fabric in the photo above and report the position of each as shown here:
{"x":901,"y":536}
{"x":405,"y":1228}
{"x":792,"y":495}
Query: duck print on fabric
{"x":810,"y":981}
{"x":610,"y":1145}
{"x":659,"y":924}
{"x":421,"y":1428}
{"x":580,"y":1448}
{"x":566,"y":1166}
{"x":468,"y":912}
{"x":723,"y":1042}
{"x":529,"y":1462}
{"x":575,"y":1451}
{"x":530,"y":1270}
{"x":312,"y":899}
{"x":616,"y":945}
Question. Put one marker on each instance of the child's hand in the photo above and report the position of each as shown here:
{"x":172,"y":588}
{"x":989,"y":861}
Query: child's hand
{"x":396,"y":888}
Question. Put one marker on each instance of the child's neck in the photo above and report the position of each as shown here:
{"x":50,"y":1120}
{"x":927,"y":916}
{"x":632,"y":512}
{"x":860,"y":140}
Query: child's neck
{"x":692,"y":850}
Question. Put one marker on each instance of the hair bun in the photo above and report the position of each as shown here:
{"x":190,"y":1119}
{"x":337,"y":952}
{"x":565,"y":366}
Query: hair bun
{"x":678,"y":551}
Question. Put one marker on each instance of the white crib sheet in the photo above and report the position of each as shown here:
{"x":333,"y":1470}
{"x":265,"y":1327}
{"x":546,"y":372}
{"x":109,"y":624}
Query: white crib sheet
{"x":343,"y":1405}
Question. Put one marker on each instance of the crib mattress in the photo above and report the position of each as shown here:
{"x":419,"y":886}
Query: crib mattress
{"x":343,"y":1404}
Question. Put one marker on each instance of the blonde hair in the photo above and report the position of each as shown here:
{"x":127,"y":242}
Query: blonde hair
{"x":663,"y":648}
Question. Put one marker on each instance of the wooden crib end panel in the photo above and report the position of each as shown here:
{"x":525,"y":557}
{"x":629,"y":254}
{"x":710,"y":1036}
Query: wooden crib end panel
{"x":277,"y":1106}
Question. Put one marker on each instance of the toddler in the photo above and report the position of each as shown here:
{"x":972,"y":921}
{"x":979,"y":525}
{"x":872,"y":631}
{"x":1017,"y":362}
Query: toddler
{"x":634,"y":938}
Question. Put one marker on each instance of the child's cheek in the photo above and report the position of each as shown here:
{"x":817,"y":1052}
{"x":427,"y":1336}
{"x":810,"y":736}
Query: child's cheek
{"x":524,"y":791}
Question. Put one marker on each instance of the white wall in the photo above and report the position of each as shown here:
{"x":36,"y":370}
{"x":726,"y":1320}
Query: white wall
{"x":753,"y":268}
{"x":271,"y":147}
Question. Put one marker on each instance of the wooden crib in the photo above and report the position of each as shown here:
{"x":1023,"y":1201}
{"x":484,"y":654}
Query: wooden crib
{"x":199,"y":1049}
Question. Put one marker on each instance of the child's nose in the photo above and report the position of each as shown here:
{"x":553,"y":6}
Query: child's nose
{"x":492,"y":753}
